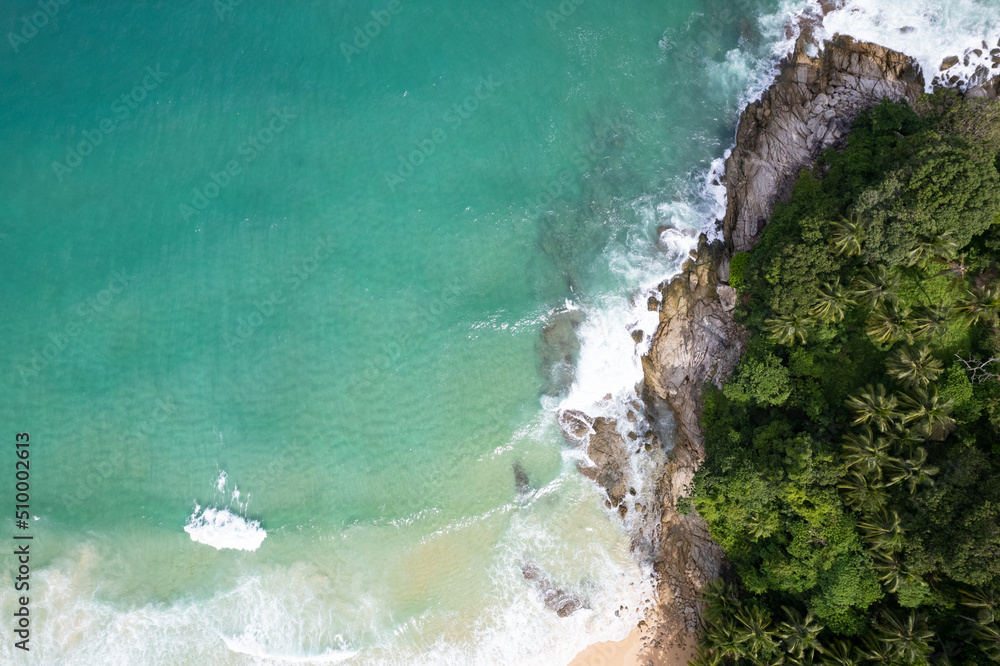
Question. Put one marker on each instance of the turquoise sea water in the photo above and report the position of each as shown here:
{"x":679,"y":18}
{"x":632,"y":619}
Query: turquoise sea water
{"x":247,"y":268}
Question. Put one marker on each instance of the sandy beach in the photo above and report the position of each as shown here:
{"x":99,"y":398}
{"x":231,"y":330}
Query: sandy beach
{"x":626,"y":653}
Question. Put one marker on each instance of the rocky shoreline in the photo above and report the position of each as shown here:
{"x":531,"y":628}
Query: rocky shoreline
{"x":808,"y":108}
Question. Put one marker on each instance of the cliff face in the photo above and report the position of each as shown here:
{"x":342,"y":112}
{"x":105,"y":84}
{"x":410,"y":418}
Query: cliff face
{"x":697,"y":341}
{"x":809,"y":108}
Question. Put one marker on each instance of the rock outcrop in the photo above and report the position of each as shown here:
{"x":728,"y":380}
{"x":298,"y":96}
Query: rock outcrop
{"x":697,"y":341}
{"x":606,"y":449}
{"x":809,"y":108}
{"x":976,"y":72}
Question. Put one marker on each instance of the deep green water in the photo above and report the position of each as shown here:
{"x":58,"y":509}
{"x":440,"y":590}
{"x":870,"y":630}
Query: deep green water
{"x":327,"y":276}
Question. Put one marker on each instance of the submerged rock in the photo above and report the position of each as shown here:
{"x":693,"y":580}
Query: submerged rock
{"x":558,"y":349}
{"x":557,"y":599}
{"x":521,"y":478}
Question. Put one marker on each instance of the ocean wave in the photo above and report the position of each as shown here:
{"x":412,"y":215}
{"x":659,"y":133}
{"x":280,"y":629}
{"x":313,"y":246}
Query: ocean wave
{"x":249,"y":647}
{"x":220,"y":527}
{"x":927,"y":30}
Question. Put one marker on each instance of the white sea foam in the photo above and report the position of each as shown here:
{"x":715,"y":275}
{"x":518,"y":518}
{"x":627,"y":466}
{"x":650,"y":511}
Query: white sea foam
{"x":221,"y":526}
{"x":249,"y":646}
{"x":927,"y":30}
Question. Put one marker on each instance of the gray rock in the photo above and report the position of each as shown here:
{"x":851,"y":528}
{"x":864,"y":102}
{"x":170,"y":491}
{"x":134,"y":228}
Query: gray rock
{"x":610,"y":455}
{"x":727,"y":297}
{"x":949,"y":62}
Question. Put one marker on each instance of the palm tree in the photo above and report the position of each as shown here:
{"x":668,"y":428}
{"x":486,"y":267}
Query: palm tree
{"x":719,"y":600}
{"x":884,"y":531}
{"x":832,"y":302}
{"x":908,"y":636}
{"x":987,"y":631}
{"x":941,"y":248}
{"x":799,"y":634}
{"x":988,"y":639}
{"x":928,"y":410}
{"x":847,"y":235}
{"x":868,"y":453}
{"x":786,"y":329}
{"x":980,"y":303}
{"x":756,"y":637}
{"x":863,"y":494}
{"x":707,"y":656}
{"x":906,"y":438}
{"x":840,"y":653}
{"x":981,"y":598}
{"x":724,"y":638}
{"x":887,"y":324}
{"x":878,"y":650}
{"x":890,"y":570}
{"x":915,"y":471}
{"x":956,"y":267}
{"x":931,"y":322}
{"x":914,"y":366}
{"x":874,"y":286}
{"x":873,"y":406}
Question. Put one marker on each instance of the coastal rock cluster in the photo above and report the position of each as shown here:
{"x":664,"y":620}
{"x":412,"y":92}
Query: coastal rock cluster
{"x":984,"y":65}
{"x":608,"y":452}
{"x":563,"y":602}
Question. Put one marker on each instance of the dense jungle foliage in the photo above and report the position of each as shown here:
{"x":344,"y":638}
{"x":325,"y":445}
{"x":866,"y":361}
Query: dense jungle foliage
{"x":853,"y":459}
